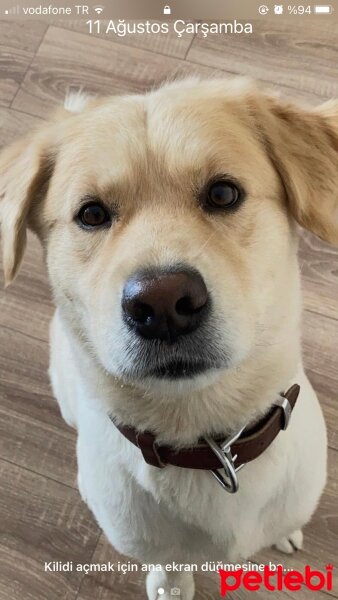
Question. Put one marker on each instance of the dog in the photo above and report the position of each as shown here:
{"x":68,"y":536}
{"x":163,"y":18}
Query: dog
{"x":169,"y":223}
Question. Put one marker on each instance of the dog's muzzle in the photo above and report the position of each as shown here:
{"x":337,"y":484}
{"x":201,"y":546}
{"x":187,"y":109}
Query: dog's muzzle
{"x":168,"y":315}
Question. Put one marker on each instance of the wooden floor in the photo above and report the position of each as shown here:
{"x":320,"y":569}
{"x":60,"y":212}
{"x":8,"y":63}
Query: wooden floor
{"x":42,"y":517}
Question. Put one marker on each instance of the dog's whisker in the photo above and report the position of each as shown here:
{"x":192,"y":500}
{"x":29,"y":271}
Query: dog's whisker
{"x":199,"y":252}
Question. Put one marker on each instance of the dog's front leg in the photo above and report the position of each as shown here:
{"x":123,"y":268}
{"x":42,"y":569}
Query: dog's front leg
{"x":162,"y":585}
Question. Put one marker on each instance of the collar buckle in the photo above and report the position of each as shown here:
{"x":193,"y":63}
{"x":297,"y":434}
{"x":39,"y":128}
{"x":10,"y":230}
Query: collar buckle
{"x":283,"y":403}
{"x":223,"y":452}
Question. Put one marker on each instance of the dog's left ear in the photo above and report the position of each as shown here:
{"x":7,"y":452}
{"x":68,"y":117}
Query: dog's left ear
{"x":25,"y":169}
{"x":303,"y":146}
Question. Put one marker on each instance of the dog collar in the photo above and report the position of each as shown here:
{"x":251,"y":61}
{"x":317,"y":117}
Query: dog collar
{"x":230,"y":453}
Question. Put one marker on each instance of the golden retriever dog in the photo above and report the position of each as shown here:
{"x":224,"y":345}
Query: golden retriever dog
{"x":169,"y":223}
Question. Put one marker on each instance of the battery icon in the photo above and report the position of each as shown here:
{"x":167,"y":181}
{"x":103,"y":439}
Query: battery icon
{"x":322,"y":9}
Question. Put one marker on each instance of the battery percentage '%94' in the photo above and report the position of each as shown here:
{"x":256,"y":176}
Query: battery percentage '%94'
{"x":299,"y":10}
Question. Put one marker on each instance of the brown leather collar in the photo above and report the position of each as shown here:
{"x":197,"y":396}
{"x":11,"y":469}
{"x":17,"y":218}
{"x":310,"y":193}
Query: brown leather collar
{"x":250,"y":444}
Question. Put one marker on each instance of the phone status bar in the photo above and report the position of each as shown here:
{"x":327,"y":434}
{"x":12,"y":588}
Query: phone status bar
{"x":169,"y":9}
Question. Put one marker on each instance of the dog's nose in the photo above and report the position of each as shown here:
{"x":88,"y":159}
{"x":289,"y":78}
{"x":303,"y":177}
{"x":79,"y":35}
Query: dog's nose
{"x":165,"y":304}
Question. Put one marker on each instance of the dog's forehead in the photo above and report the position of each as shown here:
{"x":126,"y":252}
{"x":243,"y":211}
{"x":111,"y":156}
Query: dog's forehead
{"x":197,"y":127}
{"x":171,"y":130}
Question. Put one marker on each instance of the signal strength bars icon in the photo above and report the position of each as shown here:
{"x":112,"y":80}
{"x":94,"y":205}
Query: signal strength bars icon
{"x":15,"y":10}
{"x":98,"y":9}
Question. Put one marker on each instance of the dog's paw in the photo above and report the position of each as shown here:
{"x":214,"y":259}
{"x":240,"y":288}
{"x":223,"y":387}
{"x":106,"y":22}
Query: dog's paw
{"x":291,"y":543}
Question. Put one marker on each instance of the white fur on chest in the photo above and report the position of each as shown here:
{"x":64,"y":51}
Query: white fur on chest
{"x":172,"y":514}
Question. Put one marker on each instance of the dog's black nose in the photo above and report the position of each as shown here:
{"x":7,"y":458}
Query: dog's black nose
{"x":165,"y":304}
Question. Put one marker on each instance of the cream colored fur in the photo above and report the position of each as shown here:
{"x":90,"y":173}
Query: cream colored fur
{"x":146,"y":156}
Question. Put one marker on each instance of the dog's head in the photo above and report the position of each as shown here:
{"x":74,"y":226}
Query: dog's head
{"x":168,"y":221}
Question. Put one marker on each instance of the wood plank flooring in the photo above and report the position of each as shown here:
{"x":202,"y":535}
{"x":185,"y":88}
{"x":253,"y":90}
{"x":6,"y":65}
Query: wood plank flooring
{"x":41,"y":514}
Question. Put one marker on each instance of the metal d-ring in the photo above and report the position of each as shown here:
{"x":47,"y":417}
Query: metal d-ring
{"x":224,"y":454}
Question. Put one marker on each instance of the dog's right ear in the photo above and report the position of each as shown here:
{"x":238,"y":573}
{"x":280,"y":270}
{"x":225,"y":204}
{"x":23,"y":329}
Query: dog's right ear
{"x":25,"y":169}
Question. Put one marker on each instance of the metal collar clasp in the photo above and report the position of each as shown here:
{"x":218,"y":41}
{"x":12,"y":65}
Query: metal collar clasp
{"x":286,"y":407}
{"x":223,"y":452}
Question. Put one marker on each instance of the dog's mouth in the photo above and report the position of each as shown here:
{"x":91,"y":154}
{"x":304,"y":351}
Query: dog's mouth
{"x":180,"y":369}
{"x":194,"y":359}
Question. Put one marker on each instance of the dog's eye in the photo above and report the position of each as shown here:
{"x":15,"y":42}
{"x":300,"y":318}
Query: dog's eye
{"x":93,"y":215}
{"x":222,"y":195}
